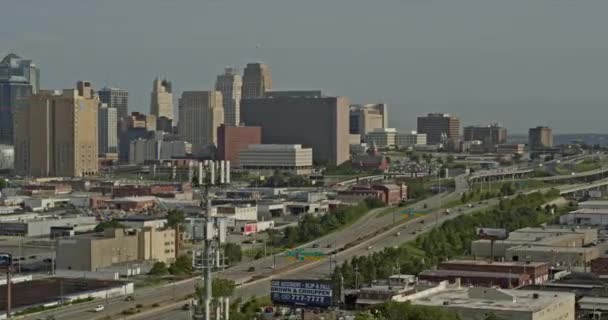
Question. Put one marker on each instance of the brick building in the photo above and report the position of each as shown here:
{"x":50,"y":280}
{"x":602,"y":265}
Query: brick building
{"x":231,"y":140}
{"x":390,"y":194}
{"x":538,"y":271}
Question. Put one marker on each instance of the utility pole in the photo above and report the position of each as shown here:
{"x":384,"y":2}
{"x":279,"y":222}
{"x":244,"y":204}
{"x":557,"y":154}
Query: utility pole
{"x":214,"y":234}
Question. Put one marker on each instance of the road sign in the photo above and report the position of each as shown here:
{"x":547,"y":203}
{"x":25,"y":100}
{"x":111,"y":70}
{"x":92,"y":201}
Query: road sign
{"x":412,"y":212}
{"x":301,"y":255}
{"x":308,"y":293}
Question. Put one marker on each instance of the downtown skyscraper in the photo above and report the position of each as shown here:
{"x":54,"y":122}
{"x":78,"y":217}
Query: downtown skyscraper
{"x":256,"y":80}
{"x":107,"y":122}
{"x":230,"y":85}
{"x":19,"y":78}
{"x":161,"y":99}
{"x":115,"y":98}
{"x":200,"y":114}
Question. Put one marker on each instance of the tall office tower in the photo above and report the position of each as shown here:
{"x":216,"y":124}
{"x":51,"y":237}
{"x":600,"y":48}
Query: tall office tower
{"x":540,"y":138}
{"x":107,"y":131}
{"x":312,"y":121}
{"x":200,"y":114}
{"x":115,"y":98}
{"x":19,"y":78}
{"x":56,"y":133}
{"x":491,"y":135}
{"x":367,"y":118}
{"x":230,"y":85}
{"x":256,"y":80}
{"x":161,"y":99}
{"x":439,"y":127}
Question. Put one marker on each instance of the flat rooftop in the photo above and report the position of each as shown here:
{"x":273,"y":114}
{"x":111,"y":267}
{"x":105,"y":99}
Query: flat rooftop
{"x":464,"y":274}
{"x":493,"y":299}
{"x":501,"y":264}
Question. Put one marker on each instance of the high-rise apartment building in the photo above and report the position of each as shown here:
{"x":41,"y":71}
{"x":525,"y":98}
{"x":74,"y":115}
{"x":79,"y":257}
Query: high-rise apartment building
{"x":230,"y":85}
{"x":19,"y":78}
{"x":200,"y":114}
{"x":490,"y":136}
{"x":540,"y":138}
{"x":367,"y":118}
{"x":56,"y":133}
{"x":107,"y":120}
{"x":256,"y":80}
{"x":318,"y":122}
{"x":115,"y":98}
{"x":231,"y":140}
{"x":161,"y":99}
{"x":439,"y":127}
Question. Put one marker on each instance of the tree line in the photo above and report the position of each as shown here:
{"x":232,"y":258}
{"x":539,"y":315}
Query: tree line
{"x":451,"y":239}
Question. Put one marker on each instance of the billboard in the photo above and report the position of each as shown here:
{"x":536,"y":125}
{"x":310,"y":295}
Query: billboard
{"x":491,"y":233}
{"x":250,"y":228}
{"x":308,"y":293}
{"x":6,"y":262}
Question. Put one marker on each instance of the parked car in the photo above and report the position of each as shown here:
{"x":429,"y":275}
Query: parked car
{"x":186,"y":307}
{"x":129,"y":298}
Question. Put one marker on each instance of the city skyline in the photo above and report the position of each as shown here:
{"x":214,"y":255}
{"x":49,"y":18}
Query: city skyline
{"x":498,"y":72}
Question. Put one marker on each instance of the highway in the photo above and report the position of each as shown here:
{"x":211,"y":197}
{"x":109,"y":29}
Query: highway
{"x":372,"y":229}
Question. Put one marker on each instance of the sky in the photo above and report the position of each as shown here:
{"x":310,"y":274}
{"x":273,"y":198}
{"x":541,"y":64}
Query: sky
{"x":521,"y":63}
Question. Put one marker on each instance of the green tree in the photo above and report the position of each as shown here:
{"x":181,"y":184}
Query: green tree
{"x":112,"y":224}
{"x":159,"y":269}
{"x":366,"y":315}
{"x":507,"y":189}
{"x":449,"y":159}
{"x":233,"y":253}
{"x":3,"y":183}
{"x":175,"y":218}
{"x":181,"y":266}
{"x":222,"y":287}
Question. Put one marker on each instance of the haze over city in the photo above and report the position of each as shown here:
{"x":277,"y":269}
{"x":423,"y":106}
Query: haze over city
{"x":522,"y":63}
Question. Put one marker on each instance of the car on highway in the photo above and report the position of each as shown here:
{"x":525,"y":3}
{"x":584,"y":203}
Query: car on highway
{"x":130,"y":298}
{"x":251,"y":269}
{"x":369,"y":247}
{"x":99,"y":308}
{"x":316,"y":245}
{"x":186,"y":307}
{"x":328,"y":245}
{"x":414,"y":232}
{"x":397,"y":234}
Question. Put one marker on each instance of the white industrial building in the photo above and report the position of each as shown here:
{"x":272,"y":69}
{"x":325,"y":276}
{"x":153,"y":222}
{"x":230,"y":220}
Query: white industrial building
{"x":381,"y":137}
{"x":410,"y":139}
{"x":268,"y":158}
{"x":41,"y":226}
{"x":245,"y":212}
{"x":142,"y":150}
{"x":477,"y":303}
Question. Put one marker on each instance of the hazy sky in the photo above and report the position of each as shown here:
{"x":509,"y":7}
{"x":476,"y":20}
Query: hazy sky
{"x":519,"y":62}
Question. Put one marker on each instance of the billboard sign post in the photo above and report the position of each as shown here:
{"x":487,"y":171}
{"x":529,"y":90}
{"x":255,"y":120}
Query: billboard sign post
{"x":491,"y":234}
{"x":308,"y":293}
